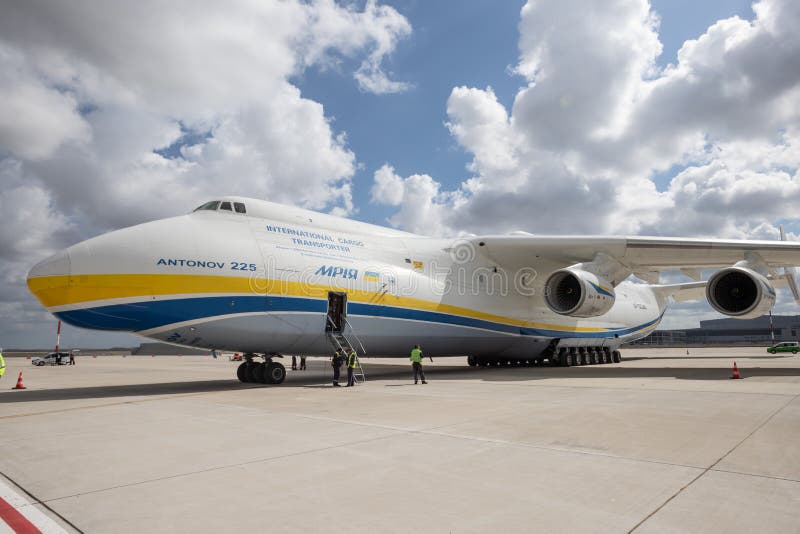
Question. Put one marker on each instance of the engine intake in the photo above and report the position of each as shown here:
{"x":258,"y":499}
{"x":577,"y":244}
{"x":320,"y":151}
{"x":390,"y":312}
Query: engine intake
{"x":740,"y":292}
{"x":578,"y":293}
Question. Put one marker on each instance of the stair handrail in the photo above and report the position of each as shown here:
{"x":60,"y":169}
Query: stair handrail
{"x":353,"y":331}
{"x":330,"y":320}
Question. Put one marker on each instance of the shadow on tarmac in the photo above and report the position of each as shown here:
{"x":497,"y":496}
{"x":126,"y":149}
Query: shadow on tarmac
{"x":127,"y":390}
{"x":695,"y":358}
{"x":400,"y":372}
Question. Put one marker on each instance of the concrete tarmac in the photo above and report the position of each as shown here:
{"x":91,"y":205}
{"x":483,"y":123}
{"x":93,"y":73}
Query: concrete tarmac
{"x":663,"y":442}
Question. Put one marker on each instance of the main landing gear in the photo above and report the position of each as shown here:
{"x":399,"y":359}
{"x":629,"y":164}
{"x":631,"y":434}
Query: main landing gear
{"x":266,"y":372}
{"x":563,"y":357}
{"x":474,"y":361}
{"x":569,"y":356}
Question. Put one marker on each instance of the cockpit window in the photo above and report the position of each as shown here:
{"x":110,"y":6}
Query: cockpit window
{"x":239,"y":207}
{"x":209,"y":205}
{"x":226,"y":206}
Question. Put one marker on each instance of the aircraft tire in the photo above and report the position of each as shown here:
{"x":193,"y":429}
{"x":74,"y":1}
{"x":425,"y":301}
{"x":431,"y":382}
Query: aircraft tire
{"x":566,"y":359}
{"x":592,"y":358}
{"x":275,"y":373}
{"x":241,"y":372}
{"x":472,"y":361}
{"x":259,"y":370}
{"x":617,"y":356}
{"x":249,"y":372}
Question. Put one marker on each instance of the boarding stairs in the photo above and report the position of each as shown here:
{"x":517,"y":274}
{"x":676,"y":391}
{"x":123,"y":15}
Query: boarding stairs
{"x":347,"y":342}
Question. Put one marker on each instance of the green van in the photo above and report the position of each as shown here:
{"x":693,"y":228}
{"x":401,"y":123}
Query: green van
{"x":788,"y":346}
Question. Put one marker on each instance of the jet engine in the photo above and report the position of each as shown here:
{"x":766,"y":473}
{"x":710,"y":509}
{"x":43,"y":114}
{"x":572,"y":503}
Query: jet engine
{"x":740,"y":292}
{"x":578,"y":293}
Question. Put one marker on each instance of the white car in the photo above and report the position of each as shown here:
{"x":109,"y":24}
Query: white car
{"x":54,"y":358}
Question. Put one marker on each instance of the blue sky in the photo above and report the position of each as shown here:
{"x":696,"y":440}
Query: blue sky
{"x":471,"y":45}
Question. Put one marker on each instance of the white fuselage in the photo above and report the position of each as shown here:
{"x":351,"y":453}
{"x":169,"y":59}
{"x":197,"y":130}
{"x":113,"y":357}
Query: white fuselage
{"x":260,"y":283}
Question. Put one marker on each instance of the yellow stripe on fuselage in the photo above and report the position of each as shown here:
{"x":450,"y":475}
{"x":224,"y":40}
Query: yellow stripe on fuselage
{"x":65,"y":290}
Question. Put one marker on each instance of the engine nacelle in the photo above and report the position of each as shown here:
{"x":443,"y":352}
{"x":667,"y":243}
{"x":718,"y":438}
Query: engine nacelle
{"x":578,"y":293}
{"x":740,"y":292}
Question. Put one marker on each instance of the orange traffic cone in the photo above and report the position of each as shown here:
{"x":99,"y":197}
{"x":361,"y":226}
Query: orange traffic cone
{"x":735,"y":371}
{"x":19,"y":382}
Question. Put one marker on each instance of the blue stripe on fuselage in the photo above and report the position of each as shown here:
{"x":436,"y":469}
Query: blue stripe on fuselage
{"x":153,"y":314}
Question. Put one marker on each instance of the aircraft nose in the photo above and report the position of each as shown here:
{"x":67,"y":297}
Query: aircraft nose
{"x":50,"y":277}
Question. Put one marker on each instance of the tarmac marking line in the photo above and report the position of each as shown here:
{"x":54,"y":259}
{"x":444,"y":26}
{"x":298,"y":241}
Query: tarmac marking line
{"x":18,"y":522}
{"x":711,"y":467}
{"x":21,"y":514}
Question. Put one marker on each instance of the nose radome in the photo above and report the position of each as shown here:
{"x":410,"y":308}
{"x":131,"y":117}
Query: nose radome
{"x":49,"y":277}
{"x":56,"y":265}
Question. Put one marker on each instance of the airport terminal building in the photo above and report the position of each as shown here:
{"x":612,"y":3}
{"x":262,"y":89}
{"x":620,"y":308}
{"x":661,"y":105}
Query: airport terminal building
{"x":730,"y":331}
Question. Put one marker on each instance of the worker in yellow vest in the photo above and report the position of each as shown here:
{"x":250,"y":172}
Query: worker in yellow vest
{"x":416,"y":363}
{"x":352,"y":361}
{"x":2,"y":364}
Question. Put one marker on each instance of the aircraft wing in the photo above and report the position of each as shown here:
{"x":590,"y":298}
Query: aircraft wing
{"x":638,"y":253}
{"x":643,"y":256}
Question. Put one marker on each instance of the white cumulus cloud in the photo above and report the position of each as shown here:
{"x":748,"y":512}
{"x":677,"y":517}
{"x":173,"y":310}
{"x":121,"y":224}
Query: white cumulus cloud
{"x":115,"y":113}
{"x":601,"y":140}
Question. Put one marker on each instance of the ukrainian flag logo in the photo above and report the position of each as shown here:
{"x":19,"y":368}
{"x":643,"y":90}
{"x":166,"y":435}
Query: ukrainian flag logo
{"x":371,"y":276}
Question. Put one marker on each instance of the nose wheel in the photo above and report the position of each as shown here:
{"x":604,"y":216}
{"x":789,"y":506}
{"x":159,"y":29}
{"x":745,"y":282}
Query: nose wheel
{"x":266,"y":372}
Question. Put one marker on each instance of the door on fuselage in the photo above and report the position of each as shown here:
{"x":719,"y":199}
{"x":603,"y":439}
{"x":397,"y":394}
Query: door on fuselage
{"x":337,"y":311}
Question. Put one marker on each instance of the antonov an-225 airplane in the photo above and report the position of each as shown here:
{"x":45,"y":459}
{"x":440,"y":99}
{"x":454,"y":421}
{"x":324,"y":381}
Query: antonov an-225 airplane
{"x":239,"y":274}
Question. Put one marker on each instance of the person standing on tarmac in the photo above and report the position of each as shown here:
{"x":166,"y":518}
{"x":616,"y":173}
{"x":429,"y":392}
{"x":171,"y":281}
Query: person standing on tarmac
{"x":302,"y":363}
{"x":352,"y":360}
{"x":294,"y":363}
{"x":2,"y":364}
{"x":336,"y":363}
{"x":416,"y":363}
{"x":72,"y":358}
